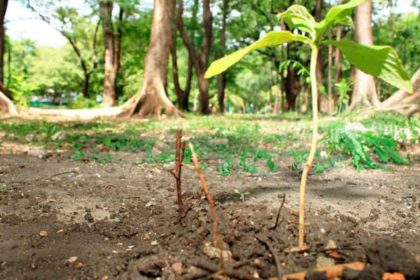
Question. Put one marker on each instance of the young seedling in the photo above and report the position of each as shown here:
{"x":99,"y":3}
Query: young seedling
{"x":379,"y":61}
{"x":242,"y":195}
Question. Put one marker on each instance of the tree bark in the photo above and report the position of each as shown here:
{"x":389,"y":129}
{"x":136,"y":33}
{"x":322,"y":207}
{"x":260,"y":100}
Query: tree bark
{"x":292,"y":89}
{"x":364,"y":89}
{"x":86,"y":84}
{"x":182,"y":95}
{"x":117,"y":55}
{"x":330,"y":76}
{"x":199,"y":60}
{"x":322,"y":99}
{"x":221,"y":81}
{"x":110,"y":94}
{"x":337,"y":55}
{"x":3,"y":9}
{"x":150,"y":99}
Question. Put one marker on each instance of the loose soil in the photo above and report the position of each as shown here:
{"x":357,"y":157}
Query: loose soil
{"x":63,"y":219}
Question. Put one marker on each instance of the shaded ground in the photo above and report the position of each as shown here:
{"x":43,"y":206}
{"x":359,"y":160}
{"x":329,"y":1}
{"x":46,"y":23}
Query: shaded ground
{"x":120,"y":219}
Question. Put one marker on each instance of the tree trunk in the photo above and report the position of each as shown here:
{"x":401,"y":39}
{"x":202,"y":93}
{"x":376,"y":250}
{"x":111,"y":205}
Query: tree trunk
{"x":330,"y":76}
{"x":117,"y":52}
{"x":322,"y":99}
{"x":110,"y":94}
{"x":291,"y":88}
{"x":182,"y":95}
{"x":221,"y":81}
{"x":152,"y":96}
{"x":364,"y":89}
{"x":3,"y":8}
{"x":337,"y":55}
{"x":86,"y":83}
{"x":199,"y":60}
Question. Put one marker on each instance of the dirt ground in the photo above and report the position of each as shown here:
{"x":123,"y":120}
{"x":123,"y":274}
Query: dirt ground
{"x":63,"y":219}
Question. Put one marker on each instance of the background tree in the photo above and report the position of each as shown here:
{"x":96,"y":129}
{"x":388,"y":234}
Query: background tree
{"x":182,"y":94}
{"x":80,"y":32}
{"x":3,"y":9}
{"x":364,"y":87}
{"x":221,"y":81}
{"x":199,"y":59}
{"x":112,"y":50}
{"x":152,"y":96}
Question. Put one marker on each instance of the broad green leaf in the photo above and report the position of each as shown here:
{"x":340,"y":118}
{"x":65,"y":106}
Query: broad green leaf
{"x":378,"y":61}
{"x":272,"y":38}
{"x":336,"y":15}
{"x":298,"y":17}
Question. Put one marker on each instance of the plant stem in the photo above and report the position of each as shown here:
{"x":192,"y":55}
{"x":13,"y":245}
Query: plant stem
{"x":311,"y":156}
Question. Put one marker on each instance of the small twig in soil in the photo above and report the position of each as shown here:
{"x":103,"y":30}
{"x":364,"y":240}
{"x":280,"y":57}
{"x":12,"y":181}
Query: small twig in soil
{"x":267,"y":244}
{"x":200,"y":174}
{"x":279,"y":212}
{"x":179,"y":158}
{"x":214,"y":268}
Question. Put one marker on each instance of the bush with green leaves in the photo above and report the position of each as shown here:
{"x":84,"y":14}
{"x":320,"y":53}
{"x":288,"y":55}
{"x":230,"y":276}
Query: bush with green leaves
{"x":379,"y":61}
{"x":361,"y":145}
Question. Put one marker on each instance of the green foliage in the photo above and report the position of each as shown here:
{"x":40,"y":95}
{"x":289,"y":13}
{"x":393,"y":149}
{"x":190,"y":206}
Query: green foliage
{"x":225,"y":168}
{"x":337,"y":15}
{"x":378,"y":61}
{"x":342,"y":88}
{"x":242,"y":195}
{"x":273,"y":38}
{"x":3,"y":187}
{"x":360,"y":145}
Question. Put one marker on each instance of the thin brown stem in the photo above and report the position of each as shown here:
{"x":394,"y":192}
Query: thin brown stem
{"x":200,"y":174}
{"x":279,"y":211}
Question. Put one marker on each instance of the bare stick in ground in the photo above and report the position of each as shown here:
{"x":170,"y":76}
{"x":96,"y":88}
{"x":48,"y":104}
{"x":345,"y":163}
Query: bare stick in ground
{"x":179,"y":158}
{"x":278,"y":212}
{"x":200,"y":174}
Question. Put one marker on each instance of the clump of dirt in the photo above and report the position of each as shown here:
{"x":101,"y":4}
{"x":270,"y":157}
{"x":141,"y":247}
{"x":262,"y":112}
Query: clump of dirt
{"x":61,"y":219}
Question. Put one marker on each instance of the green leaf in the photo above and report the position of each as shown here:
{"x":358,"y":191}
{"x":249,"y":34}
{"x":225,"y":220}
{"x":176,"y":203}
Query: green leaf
{"x":337,"y":14}
{"x":272,"y":38}
{"x":298,"y":17}
{"x":378,"y":61}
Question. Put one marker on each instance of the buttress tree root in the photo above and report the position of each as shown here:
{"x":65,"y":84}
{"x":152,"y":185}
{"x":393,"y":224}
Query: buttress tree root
{"x":6,"y":105}
{"x":404,"y":102}
{"x":152,"y":97}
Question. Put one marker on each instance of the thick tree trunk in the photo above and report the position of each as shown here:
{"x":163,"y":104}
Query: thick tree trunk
{"x":199,"y":60}
{"x":221,"y":81}
{"x":152,"y":96}
{"x":3,"y":8}
{"x":110,"y":93}
{"x":364,"y":89}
